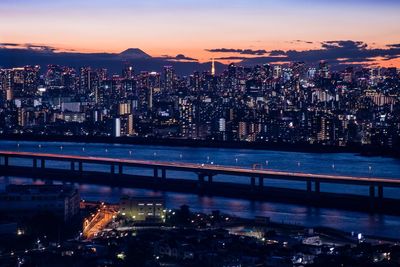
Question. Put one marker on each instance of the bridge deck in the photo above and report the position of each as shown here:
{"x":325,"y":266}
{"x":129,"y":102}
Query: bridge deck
{"x":210,"y":169}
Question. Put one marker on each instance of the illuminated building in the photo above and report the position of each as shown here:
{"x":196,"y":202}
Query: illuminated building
{"x":53,"y":77}
{"x":124,"y":108}
{"x":116,"y":127}
{"x":143,"y":208}
{"x":169,"y":78}
{"x":213,"y":67}
{"x":127,"y":72}
{"x":277,"y":71}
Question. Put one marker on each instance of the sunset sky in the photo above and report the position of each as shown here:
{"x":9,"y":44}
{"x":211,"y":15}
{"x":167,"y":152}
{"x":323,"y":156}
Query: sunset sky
{"x":171,"y":27}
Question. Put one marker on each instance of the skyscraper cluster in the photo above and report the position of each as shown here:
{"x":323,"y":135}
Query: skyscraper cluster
{"x":293,"y":103}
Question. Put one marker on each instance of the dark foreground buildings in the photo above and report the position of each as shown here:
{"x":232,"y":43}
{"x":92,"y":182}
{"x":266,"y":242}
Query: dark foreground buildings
{"x":22,"y":202}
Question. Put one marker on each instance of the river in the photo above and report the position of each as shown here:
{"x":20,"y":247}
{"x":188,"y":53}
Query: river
{"x":330,"y":163}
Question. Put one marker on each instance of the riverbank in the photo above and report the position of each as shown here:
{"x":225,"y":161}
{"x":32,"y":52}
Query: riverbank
{"x":240,"y":226}
{"x":364,"y":150}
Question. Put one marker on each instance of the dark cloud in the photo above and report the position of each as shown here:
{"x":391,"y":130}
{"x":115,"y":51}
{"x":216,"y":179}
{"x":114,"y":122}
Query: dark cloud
{"x":302,"y":41}
{"x":274,"y":56}
{"x":232,"y":58}
{"x":277,"y":53}
{"x":43,"y":48}
{"x":183,"y":57}
{"x":393,"y":45}
{"x":224,"y":50}
{"x":348,"y":44}
{"x":8,"y":44}
{"x":335,"y":52}
{"x":179,"y":57}
{"x":253,"y":52}
{"x":259,"y":52}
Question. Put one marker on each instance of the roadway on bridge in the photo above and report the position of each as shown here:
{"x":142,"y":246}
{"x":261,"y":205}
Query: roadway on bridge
{"x":206,"y":168}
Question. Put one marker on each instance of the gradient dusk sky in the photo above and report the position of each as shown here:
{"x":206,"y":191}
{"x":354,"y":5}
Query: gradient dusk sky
{"x":171,"y":27}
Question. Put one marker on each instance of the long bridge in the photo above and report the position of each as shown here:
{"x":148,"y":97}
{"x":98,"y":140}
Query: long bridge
{"x":253,"y":185}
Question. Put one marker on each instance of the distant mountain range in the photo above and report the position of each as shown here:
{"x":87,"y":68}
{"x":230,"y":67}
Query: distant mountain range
{"x":134,"y":53}
{"x":114,"y":62}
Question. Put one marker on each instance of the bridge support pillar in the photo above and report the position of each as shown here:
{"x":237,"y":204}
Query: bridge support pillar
{"x":80,"y":166}
{"x":72,"y":166}
{"x":317,"y":187}
{"x":201,"y":177}
{"x":120,"y":169}
{"x":261,"y":181}
{"x":253,"y":181}
{"x":372,"y":191}
{"x":35,"y":163}
{"x":210,"y":178}
{"x":309,"y":186}
{"x":164,"y":173}
{"x":380,"y":191}
{"x":155,"y":170}
{"x":112,"y":169}
{"x":42,"y":163}
{"x":5,"y":160}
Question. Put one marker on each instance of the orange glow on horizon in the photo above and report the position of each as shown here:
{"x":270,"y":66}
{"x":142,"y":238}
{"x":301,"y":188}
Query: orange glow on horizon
{"x":203,"y":56}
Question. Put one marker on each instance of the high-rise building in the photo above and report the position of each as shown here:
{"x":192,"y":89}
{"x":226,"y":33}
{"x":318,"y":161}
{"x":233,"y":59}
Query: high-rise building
{"x":169,"y":78}
{"x":53,"y":77}
{"x":277,"y":72}
{"x":9,"y":85}
{"x":124,"y":108}
{"x":323,"y":70}
{"x":116,"y":127}
{"x":131,"y":125}
{"x":222,"y":125}
{"x":127,"y":72}
{"x":213,"y":67}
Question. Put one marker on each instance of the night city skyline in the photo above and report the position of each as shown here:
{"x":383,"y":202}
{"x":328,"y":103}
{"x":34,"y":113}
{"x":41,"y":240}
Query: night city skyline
{"x":188,"y":133}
